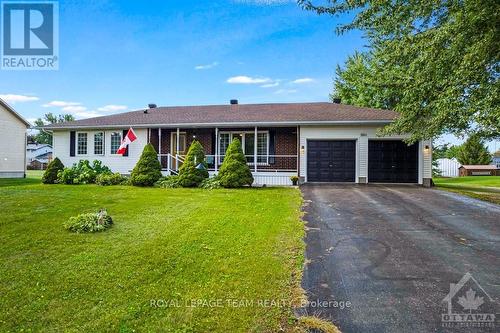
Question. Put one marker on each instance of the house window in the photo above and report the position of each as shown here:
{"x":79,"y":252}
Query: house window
{"x":224,"y":143}
{"x":116,"y":141}
{"x":99,"y":143}
{"x":262,"y":147}
{"x":248,"y":144}
{"x":82,"y":144}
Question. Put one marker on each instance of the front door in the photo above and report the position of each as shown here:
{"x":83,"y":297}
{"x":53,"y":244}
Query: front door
{"x":182,"y":147}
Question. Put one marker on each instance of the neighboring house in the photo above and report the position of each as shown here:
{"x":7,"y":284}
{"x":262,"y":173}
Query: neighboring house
{"x":448,"y":167}
{"x":319,"y":142}
{"x":13,"y":129}
{"x":496,"y":160}
{"x":38,"y":155}
{"x":478,"y":170}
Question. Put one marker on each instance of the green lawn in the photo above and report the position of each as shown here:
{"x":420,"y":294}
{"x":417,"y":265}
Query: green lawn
{"x":480,"y":187}
{"x":182,"y":246}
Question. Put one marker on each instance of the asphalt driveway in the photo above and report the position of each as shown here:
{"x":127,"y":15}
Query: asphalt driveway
{"x":392,"y":252}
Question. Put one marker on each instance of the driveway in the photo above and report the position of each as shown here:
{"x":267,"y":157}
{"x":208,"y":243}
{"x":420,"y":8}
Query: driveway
{"x":392,"y":252}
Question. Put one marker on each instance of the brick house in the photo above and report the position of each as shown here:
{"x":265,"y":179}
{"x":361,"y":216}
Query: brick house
{"x":319,"y":142}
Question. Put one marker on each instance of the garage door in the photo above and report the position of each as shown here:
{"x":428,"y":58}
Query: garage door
{"x":391,"y":161}
{"x":331,"y":160}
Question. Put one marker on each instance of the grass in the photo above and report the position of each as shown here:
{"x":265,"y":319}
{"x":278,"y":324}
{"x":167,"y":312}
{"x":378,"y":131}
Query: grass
{"x":179,"y":260}
{"x":480,"y":187}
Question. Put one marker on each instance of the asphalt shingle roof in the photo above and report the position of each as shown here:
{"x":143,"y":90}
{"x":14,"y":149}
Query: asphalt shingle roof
{"x":287,"y":113}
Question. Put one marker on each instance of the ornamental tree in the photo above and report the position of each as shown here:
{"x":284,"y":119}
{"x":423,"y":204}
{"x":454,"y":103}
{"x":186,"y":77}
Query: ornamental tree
{"x":234,"y":171}
{"x":147,"y":171}
{"x":189,"y":173}
{"x":50,"y":175}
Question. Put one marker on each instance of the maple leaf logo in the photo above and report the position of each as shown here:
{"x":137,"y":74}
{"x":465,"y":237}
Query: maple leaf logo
{"x":470,"y":301}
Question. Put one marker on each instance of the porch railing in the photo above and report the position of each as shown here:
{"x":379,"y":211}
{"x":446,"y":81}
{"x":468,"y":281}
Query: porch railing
{"x":265,"y":163}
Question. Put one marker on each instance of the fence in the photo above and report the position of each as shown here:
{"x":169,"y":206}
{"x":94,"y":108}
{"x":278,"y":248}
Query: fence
{"x":448,"y":167}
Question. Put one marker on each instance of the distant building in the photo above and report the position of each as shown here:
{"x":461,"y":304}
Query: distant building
{"x":478,"y":170}
{"x":496,"y":159}
{"x":448,"y":167}
{"x":38,"y":156}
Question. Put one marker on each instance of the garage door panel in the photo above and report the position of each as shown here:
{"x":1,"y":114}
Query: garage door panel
{"x":392,"y":161}
{"x":331,"y":160}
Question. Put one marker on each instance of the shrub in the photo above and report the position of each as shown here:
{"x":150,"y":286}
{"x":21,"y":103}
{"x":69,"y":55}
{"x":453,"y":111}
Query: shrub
{"x":107,"y":179}
{"x":234,"y":171}
{"x":90,"y":222}
{"x":147,"y":171}
{"x":189,"y":174}
{"x":50,"y":175}
{"x":211,"y":183}
{"x":168,"y":182}
{"x":82,"y":172}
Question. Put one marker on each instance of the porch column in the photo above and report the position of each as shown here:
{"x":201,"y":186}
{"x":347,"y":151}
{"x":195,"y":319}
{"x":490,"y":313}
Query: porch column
{"x":255,"y":150}
{"x":159,"y":146}
{"x":216,"y":157}
{"x":177,"y":144}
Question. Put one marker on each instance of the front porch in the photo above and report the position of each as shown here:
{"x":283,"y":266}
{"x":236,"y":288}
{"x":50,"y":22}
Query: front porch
{"x":271,"y":152}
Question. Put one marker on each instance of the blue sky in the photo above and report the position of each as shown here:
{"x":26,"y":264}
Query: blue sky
{"x":121,"y":55}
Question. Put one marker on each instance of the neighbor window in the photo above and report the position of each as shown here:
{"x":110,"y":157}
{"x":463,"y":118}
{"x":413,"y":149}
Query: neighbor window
{"x":99,"y":143}
{"x":82,"y":144}
{"x":116,"y":141}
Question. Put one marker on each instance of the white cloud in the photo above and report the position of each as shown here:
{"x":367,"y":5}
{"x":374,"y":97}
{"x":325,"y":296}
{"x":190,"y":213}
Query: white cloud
{"x":242,"y":79}
{"x":112,"y":108}
{"x":270,"y":85}
{"x":74,"y":108}
{"x":285,"y":91}
{"x":208,"y":66}
{"x":60,"y":104}
{"x":303,"y":80}
{"x":12,"y":98}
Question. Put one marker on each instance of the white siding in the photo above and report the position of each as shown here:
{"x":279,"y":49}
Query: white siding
{"x":448,"y":167}
{"x":12,"y":145}
{"x":361,"y":134}
{"x":117,"y":163}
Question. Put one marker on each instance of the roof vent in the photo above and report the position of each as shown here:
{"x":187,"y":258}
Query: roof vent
{"x":337,"y":100}
{"x":146,"y":111}
{"x":152,"y":106}
{"x":233,"y":102}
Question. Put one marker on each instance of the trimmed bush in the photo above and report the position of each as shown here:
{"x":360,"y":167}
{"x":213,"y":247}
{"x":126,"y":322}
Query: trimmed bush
{"x":211,"y":183}
{"x":107,"y":179}
{"x":82,"y":173}
{"x":234,"y":171}
{"x":147,"y":171}
{"x":168,"y":182}
{"x":50,"y":175}
{"x":90,"y":222}
{"x":189,"y":175}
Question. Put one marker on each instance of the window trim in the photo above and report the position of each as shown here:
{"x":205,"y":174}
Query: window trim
{"x":243,"y":144}
{"x":86,"y":144}
{"x":113,"y":153}
{"x":103,"y":146}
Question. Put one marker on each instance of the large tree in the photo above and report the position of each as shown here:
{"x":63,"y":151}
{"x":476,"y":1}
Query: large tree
{"x":440,"y":59}
{"x":473,"y":152}
{"x":49,"y":118}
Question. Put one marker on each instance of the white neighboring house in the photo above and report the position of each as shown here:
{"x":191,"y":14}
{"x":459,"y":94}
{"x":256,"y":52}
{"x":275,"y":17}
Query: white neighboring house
{"x":38,"y":155}
{"x":13,"y":129}
{"x":317,"y":142}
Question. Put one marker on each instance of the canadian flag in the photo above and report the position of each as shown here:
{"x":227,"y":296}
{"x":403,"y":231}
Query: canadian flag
{"x":128,"y":139}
